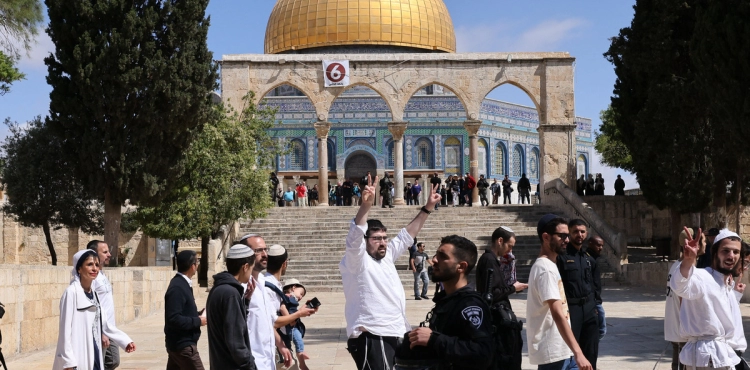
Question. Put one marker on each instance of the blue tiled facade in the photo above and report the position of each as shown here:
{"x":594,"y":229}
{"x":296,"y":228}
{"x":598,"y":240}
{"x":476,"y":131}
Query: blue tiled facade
{"x":434,"y":140}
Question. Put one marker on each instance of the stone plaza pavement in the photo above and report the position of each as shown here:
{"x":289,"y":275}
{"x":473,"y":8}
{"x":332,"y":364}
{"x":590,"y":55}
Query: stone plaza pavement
{"x":634,"y":334}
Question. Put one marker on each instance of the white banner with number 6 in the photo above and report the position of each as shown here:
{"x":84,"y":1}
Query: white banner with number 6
{"x":336,"y":73}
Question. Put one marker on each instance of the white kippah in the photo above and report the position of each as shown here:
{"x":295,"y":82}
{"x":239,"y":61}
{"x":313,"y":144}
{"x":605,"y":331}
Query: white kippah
{"x":239,"y":251}
{"x":276,"y":250}
{"x":507,"y":229}
{"x":725,"y":233}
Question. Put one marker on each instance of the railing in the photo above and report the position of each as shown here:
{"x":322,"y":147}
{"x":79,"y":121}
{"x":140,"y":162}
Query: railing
{"x":560,"y":195}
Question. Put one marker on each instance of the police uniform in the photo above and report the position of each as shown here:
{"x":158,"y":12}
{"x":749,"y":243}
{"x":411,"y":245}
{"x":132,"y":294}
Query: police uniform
{"x":385,"y":191}
{"x":461,"y":334}
{"x":576,"y":270}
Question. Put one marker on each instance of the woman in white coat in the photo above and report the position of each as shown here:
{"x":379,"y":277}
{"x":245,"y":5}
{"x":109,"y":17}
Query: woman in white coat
{"x":79,"y":341}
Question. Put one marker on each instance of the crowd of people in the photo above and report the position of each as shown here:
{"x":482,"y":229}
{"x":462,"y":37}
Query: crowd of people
{"x":254,"y":320}
{"x":595,"y":186}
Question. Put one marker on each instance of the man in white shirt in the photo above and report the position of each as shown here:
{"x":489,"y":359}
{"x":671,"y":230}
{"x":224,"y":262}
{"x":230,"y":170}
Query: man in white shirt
{"x":710,"y":317}
{"x":262,"y":312}
{"x":375,"y":307}
{"x":550,"y":340}
{"x":672,"y":313}
{"x":113,"y":337}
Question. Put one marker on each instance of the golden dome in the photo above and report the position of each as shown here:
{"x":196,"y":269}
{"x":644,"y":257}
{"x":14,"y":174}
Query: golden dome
{"x":303,"y":24}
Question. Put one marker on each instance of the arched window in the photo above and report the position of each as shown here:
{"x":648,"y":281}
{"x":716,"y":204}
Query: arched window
{"x":482,"y":157}
{"x":391,"y":155}
{"x":582,"y":165}
{"x":297,"y":155}
{"x":424,"y":153}
{"x":534,"y":164}
{"x":499,"y":164}
{"x":453,"y":159}
{"x":517,"y":161}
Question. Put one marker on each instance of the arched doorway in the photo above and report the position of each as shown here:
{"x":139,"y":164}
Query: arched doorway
{"x":357,"y":165}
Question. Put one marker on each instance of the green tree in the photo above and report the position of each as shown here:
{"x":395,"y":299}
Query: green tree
{"x":720,"y":50}
{"x":609,"y":142}
{"x":19,"y":20}
{"x":223,"y":181}
{"x":8,"y":73}
{"x":40,"y":190}
{"x":130,"y":89}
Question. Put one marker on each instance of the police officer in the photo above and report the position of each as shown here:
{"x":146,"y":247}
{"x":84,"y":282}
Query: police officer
{"x":459,"y":332}
{"x":576,"y":268}
{"x":385,"y":190}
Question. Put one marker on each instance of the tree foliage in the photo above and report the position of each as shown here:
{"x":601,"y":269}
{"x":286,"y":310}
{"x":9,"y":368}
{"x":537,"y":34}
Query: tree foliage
{"x":223,"y":181}
{"x":8,"y":73}
{"x":661,"y":114}
{"x":130,"y":90}
{"x":609,"y":142}
{"x":40,"y":190}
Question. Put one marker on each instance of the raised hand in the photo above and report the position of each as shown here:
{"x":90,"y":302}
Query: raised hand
{"x":434,"y":198}
{"x":368,"y":193}
{"x":692,"y":245}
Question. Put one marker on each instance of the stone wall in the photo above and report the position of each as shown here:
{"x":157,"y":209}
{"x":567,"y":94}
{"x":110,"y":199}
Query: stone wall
{"x":31,"y":295}
{"x":633,"y":216}
{"x":647,"y":274}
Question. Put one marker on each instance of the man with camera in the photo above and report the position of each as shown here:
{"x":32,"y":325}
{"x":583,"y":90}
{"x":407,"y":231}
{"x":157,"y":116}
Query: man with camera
{"x":459,"y":331}
{"x":375,"y":307}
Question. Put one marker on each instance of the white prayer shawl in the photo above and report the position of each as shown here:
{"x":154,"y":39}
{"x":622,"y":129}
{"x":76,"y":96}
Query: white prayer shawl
{"x":375,"y":298}
{"x":706,"y":319}
{"x":737,"y":341}
{"x":672,"y":310}
{"x":103,"y":288}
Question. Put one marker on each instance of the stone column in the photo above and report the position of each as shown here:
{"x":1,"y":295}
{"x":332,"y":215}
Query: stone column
{"x":322,"y":129}
{"x":472,"y":127}
{"x":557,"y":144}
{"x":426,"y":186}
{"x":397,"y":129}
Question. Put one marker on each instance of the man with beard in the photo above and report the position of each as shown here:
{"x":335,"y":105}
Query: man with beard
{"x":459,"y":332}
{"x":262,"y":311}
{"x":550,"y":340}
{"x":710,"y":316}
{"x":375,"y":307}
{"x":508,"y":356}
{"x":577,"y":271}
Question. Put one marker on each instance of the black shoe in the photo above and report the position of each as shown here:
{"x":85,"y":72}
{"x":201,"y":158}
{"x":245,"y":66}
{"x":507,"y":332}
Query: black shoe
{"x":425,"y":297}
{"x":417,"y":299}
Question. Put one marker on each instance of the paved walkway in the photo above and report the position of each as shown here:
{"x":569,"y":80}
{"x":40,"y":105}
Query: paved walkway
{"x":634,"y":339}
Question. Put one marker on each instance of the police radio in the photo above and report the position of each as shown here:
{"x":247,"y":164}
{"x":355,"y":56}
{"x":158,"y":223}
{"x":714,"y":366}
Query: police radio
{"x":488,"y":287}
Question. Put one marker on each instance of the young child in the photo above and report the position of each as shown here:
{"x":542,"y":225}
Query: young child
{"x":295,"y":292}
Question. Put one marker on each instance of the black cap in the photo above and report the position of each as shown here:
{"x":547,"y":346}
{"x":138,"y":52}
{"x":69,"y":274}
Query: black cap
{"x":713,"y":231}
{"x":544,"y":221}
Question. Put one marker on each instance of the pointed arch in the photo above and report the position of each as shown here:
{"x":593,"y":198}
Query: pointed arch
{"x":297,"y":155}
{"x":534,"y":98}
{"x":499,"y":164}
{"x":519,"y":161}
{"x":456,"y":92}
{"x":424,"y":153}
{"x":534,"y":164}
{"x":341,"y":91}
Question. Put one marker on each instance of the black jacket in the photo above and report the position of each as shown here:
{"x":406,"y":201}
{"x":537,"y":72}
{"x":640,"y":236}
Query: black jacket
{"x":182,"y":326}
{"x":461,"y":332}
{"x":500,"y":290}
{"x":228,"y":339}
{"x":524,"y":185}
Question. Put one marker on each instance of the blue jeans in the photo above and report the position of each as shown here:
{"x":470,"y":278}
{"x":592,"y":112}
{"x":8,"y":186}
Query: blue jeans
{"x":602,"y":321}
{"x":425,"y":282}
{"x":559,"y":365}
{"x":297,"y":339}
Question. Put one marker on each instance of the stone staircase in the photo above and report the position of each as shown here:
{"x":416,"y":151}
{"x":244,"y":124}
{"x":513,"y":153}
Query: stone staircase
{"x":315,"y":237}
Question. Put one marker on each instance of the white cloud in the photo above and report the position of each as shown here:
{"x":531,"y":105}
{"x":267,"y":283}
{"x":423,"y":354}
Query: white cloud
{"x":545,"y":36}
{"x":34,"y":60}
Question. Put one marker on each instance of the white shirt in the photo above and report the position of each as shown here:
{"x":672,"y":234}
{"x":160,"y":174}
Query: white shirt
{"x":706,"y":318}
{"x":672,"y":310}
{"x":546,"y":345}
{"x":104,"y":290}
{"x":189,"y":280}
{"x":737,"y":341}
{"x":375,"y":299}
{"x":260,"y":318}
{"x":272,"y":296}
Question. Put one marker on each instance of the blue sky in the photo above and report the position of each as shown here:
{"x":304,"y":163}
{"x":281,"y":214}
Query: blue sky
{"x":582,"y":28}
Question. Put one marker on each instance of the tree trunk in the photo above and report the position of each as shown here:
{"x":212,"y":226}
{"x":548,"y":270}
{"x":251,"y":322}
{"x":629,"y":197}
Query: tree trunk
{"x":739,"y":202}
{"x":112,"y":218}
{"x":203,"y":271}
{"x":176,"y":250}
{"x":51,"y":247}
{"x":675,"y":229}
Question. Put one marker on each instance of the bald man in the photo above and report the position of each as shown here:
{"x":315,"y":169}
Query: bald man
{"x":595,"y":247}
